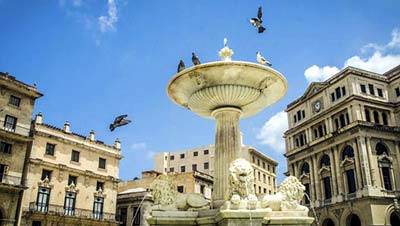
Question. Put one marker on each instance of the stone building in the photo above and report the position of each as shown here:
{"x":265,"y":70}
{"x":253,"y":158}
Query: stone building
{"x":202,"y":159}
{"x":17,"y":100}
{"x":72,"y":179}
{"x":343,"y":143}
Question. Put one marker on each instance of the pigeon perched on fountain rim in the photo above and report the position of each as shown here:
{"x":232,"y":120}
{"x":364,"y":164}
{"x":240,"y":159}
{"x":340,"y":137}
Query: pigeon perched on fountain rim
{"x":195,"y":59}
{"x":181,"y":66}
{"x":119,"y":121}
{"x":262,"y":60}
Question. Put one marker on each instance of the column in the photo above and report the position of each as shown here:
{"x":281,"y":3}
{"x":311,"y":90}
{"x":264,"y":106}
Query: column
{"x":359,"y":178}
{"x":372,"y":163}
{"x":339,"y":173}
{"x":366,"y":175}
{"x":333,"y":172}
{"x":227,"y":148}
{"x":316,"y":179}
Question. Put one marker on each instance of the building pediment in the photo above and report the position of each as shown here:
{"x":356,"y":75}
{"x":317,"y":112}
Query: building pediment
{"x":312,"y":89}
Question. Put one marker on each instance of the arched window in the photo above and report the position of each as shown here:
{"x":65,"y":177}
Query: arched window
{"x":325,"y":161}
{"x":305,"y":168}
{"x":395,"y":219}
{"x":353,"y":220}
{"x":384,"y":119}
{"x":376,"y":117}
{"x":380,"y":149}
{"x":328,"y":222}
{"x":367,"y":116}
{"x":347,"y":152}
{"x":385,"y":165}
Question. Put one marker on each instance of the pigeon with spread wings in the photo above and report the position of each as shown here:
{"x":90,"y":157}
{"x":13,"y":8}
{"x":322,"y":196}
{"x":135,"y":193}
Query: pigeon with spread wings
{"x":119,"y":121}
{"x":257,"y":21}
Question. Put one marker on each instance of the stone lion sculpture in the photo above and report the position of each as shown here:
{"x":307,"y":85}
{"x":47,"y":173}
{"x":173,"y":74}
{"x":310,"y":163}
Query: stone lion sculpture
{"x":166,"y":198}
{"x":291,"y":192}
{"x":240,"y":194}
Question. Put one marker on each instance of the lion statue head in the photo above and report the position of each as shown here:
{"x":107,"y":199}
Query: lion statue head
{"x":292,"y":193}
{"x":163,"y":190}
{"x":241,"y":179}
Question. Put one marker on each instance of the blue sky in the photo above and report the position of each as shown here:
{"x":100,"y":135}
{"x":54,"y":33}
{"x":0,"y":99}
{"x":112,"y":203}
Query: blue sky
{"x":94,"y":60}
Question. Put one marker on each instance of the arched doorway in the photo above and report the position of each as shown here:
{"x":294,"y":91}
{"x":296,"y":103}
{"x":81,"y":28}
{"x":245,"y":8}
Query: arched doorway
{"x":395,"y":219}
{"x":328,"y":222}
{"x":353,"y":220}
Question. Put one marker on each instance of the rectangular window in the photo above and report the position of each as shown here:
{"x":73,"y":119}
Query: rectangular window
{"x":303,"y":113}
{"x":171,"y":169}
{"x":380,"y":92}
{"x":298,"y":115}
{"x":183,"y":169}
{"x":102,"y":163}
{"x":42,"y":199}
{"x":3,"y":171}
{"x":332,"y":97}
{"x":386,"y":178}
{"x":327,"y":187}
{"x":338,"y":93}
{"x":351,"y":181}
{"x":123,"y":215}
{"x":69,"y":203}
{"x":259,"y":176}
{"x":75,"y":156}
{"x":295,"y":118}
{"x":202,"y":188}
{"x":171,"y":157}
{"x":5,"y":147}
{"x":180,"y":189}
{"x":194,"y":167}
{"x":343,"y":91}
{"x":72,"y":179}
{"x":307,"y":193}
{"x":206,"y":152}
{"x":98,"y":208}
{"x":258,"y":162}
{"x":46,"y":173}
{"x":182,"y":156}
{"x":206,"y":165}
{"x":10,"y":123}
{"x":99,"y":185}
{"x":264,"y":179}
{"x":363,"y":88}
{"x":14,"y":101}
{"x":50,"y":149}
{"x":136,"y":216}
{"x":371,"y":89}
{"x":265,"y":191}
{"x":397,"y":92}
{"x":196,"y":153}
{"x":263,"y":165}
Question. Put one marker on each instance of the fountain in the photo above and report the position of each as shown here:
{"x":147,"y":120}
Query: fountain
{"x":227,"y":91}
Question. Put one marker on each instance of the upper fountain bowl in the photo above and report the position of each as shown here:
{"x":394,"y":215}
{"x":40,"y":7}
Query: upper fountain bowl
{"x":247,"y":86}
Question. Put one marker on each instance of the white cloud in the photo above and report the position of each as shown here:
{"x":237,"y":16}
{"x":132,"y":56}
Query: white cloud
{"x":139,"y":146}
{"x":107,"y":22}
{"x":381,"y":59}
{"x":271,"y":133}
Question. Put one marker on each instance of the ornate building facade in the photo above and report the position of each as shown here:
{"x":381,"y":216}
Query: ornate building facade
{"x":343,"y":143}
{"x":202,"y":159}
{"x":72,"y":179}
{"x":17,"y":100}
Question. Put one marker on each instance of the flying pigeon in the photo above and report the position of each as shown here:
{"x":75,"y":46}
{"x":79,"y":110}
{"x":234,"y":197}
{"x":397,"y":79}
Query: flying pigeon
{"x":257,"y":21}
{"x":181,"y":66}
{"x":262,"y":60}
{"x":195,"y":60}
{"x":119,"y":121}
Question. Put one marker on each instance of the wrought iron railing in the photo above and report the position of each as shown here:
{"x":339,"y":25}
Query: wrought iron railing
{"x":11,"y":180}
{"x":76,"y":212}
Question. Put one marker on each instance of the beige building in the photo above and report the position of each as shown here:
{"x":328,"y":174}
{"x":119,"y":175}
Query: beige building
{"x":343,"y":143}
{"x":72,"y":179}
{"x":17,"y":100}
{"x":202,"y":159}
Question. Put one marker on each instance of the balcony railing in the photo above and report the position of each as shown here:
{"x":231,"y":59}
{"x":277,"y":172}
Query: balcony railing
{"x":10,"y":180}
{"x":57,"y":210}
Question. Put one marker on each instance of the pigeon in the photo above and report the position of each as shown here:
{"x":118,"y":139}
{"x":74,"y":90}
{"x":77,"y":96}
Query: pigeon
{"x":195,"y":60}
{"x":262,"y":60}
{"x":225,"y":42}
{"x":257,"y":21}
{"x":181,"y":66}
{"x":119,"y":121}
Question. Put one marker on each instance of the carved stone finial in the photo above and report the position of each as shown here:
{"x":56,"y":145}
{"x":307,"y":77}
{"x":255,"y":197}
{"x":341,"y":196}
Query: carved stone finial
{"x":91,"y":135}
{"x":39,"y":118}
{"x":67,"y":128}
{"x":226,"y":53}
{"x":117,"y":144}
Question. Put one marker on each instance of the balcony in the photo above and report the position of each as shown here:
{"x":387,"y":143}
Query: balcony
{"x":57,"y":210}
{"x":10,"y":180}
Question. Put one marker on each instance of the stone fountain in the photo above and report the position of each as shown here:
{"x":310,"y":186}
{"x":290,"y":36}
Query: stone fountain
{"x":227,"y":91}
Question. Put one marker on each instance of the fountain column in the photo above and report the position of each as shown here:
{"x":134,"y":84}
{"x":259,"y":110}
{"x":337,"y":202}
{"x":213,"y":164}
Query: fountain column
{"x":227,"y":148}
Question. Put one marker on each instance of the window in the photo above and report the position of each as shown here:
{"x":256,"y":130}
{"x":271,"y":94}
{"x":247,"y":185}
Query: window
{"x":98,"y":208}
{"x":265,"y":191}
{"x":206,"y":165}
{"x":50,"y":149}
{"x":99,"y":185}
{"x":46,"y":173}
{"x":182,"y":156}
{"x":180,"y":189}
{"x":348,"y":152}
{"x":397,"y":92}
{"x":202,"y":187}
{"x":206,"y":152}
{"x":351,"y":182}
{"x":305,"y":169}
{"x":342,"y":120}
{"x":327,"y":187}
{"x":102,"y":163}
{"x":10,"y":123}
{"x":259,"y":189}
{"x":42,"y":200}
{"x":363,"y":88}
{"x":195,"y":153}
{"x":75,"y":156}
{"x":380,"y":149}
{"x":295,"y":118}
{"x":14,"y":101}
{"x":258,"y":162}
{"x":384,"y":119}
{"x":3,"y":171}
{"x":136,"y":216}
{"x":194,"y":167}
{"x":303,"y":113}
{"x":332,"y":97}
{"x":183,"y":169}
{"x":371,"y":89}
{"x":263,"y":165}
{"x":325,"y":161}
{"x":376,"y":117}
{"x":259,"y":176}
{"x":123,"y":214}
{"x":171,"y":157}
{"x":367,"y":115}
{"x":338,"y":93}
{"x":72,"y":179}
{"x":344,"y":91}
{"x":171,"y":169}
{"x":386,"y":178}
{"x":380,"y":92}
{"x":307,"y":193}
{"x":5,"y":147}
{"x":264,"y":179}
{"x":69,"y":203}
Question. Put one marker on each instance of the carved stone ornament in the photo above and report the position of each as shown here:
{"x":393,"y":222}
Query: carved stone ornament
{"x":338,"y":213}
{"x":347,"y":161}
{"x":99,"y":193}
{"x":324,"y":169}
{"x":304,"y":176}
{"x":71,"y":188}
{"x":45,"y":183}
{"x":385,"y":158}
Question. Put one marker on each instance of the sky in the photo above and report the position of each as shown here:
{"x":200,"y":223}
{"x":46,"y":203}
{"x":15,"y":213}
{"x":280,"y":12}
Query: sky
{"x":96,"y":59}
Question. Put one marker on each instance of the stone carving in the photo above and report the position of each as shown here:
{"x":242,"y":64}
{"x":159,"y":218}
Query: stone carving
{"x":291,"y":192}
{"x":45,"y":183}
{"x":166,"y":198}
{"x":226,"y":53}
{"x":241,"y":191}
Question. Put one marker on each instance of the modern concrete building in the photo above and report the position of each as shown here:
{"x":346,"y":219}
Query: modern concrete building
{"x":17,"y":100}
{"x":202,"y":159}
{"x":343,"y":143}
{"x":72,"y":179}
